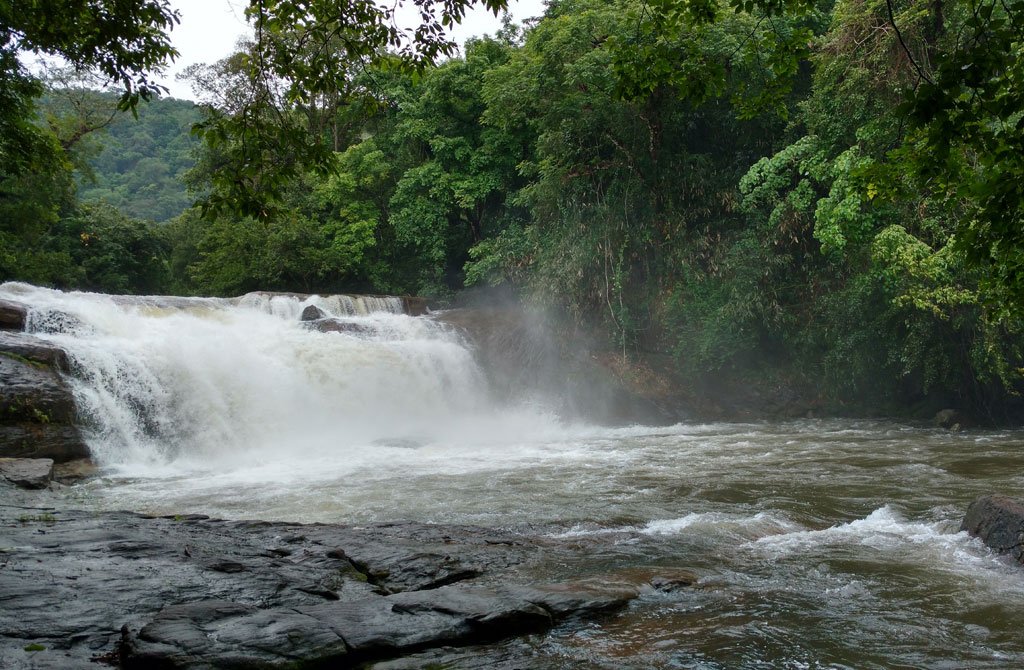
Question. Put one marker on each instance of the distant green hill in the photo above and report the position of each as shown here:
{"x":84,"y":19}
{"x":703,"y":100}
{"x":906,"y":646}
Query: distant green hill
{"x":140,"y":167}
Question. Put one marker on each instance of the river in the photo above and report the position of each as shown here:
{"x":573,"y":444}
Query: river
{"x":816,"y":543}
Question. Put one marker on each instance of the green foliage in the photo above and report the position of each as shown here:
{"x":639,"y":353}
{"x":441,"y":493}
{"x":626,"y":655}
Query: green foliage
{"x":114,"y":253}
{"x":829,"y":193}
{"x":303,"y":64}
{"x":319,"y":240}
{"x":123,"y":41}
{"x":143,"y":160}
{"x":968,"y":142}
{"x":35,"y":192}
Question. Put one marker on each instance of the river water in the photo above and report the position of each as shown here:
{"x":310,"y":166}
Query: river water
{"x":817,"y":544}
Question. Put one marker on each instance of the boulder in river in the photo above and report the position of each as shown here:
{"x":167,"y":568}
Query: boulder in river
{"x":999,"y":522}
{"x":312,"y":313}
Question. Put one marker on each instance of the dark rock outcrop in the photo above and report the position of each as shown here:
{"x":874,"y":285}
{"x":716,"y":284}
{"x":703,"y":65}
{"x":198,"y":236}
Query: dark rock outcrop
{"x":12,"y":315}
{"x":415,"y":306}
{"x":28,"y":347}
{"x":193,"y":592}
{"x":37,"y":409}
{"x":222,"y":634}
{"x":999,"y":522}
{"x":312,"y":313}
{"x":28,"y":473}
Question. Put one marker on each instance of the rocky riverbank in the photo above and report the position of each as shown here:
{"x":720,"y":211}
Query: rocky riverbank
{"x":80,"y":588}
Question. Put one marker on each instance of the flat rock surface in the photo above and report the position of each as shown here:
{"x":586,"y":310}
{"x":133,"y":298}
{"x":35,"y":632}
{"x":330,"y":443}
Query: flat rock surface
{"x":999,"y":522}
{"x":189,"y":591}
{"x":74,"y":471}
{"x":28,"y":473}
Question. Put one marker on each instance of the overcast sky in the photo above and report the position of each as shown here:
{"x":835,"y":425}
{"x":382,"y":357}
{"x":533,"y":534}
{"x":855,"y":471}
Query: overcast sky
{"x":210,"y":28}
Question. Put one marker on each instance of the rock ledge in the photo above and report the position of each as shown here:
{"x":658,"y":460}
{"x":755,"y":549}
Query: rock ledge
{"x":193,"y":592}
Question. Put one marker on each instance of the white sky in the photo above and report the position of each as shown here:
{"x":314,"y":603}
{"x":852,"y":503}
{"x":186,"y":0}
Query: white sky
{"x":210,"y":28}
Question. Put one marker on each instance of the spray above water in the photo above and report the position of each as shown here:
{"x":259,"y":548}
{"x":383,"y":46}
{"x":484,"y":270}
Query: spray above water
{"x":200,"y":381}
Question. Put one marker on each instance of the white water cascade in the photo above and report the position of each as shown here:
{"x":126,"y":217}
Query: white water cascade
{"x":200,"y":383}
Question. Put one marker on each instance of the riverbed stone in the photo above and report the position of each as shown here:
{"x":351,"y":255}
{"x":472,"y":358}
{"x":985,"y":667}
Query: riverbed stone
{"x":400,"y":557}
{"x":999,"y":521}
{"x":12,"y":315}
{"x":218,"y":634}
{"x":27,"y":473}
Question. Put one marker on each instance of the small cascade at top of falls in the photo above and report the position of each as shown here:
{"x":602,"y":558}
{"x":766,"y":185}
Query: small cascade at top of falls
{"x":161,"y":380}
{"x":290,"y":306}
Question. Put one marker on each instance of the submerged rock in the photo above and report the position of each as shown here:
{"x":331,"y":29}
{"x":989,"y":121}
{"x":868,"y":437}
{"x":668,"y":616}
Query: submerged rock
{"x":333,"y":325}
{"x":28,"y":473}
{"x":56,"y":321}
{"x":999,"y":522}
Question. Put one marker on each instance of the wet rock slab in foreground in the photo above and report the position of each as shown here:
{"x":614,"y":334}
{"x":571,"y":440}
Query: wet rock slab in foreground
{"x":80,"y":588}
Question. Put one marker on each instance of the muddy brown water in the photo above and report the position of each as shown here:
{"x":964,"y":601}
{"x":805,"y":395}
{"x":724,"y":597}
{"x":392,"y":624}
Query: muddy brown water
{"x":818,"y":544}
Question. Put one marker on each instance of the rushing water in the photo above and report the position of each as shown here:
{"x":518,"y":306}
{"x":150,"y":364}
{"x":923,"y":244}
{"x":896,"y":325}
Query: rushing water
{"x":818,"y":544}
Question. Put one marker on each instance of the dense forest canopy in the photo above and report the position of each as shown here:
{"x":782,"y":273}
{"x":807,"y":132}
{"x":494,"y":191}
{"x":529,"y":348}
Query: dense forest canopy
{"x":825,"y":194}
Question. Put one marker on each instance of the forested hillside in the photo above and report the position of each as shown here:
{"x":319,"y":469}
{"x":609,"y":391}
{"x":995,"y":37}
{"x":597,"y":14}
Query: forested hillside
{"x":141,"y":165}
{"x":777,"y":197}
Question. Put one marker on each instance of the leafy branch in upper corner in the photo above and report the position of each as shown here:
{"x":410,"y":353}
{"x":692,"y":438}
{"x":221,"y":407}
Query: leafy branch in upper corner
{"x":303,"y":64}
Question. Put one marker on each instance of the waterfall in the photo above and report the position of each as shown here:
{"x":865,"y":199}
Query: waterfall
{"x":198,"y":380}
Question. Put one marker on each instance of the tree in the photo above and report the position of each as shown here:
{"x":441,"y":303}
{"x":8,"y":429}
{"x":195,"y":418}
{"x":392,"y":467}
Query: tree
{"x":300,"y":68}
{"x":123,"y":41}
{"x":114,"y":253}
{"x":968,"y":139}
